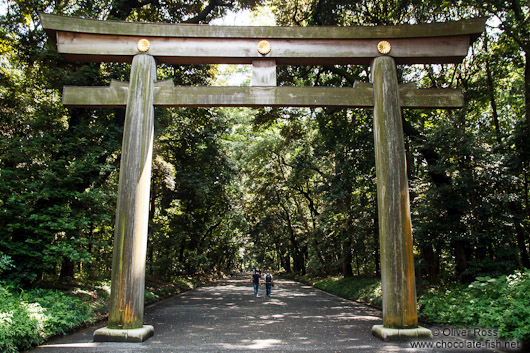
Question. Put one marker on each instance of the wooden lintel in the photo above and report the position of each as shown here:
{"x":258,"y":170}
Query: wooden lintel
{"x":192,"y":96}
{"x":264,"y":96}
{"x":414,"y":98}
{"x":55,"y":23}
{"x":104,"y":48}
{"x":86,"y":96}
{"x":110,"y":41}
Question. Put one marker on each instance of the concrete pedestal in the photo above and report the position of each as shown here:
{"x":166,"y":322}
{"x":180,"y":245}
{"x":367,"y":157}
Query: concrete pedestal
{"x":106,"y":334}
{"x":408,"y":334}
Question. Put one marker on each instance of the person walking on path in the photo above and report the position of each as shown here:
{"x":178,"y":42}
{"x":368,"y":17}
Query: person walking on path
{"x":269,"y":283}
{"x":255,"y":280}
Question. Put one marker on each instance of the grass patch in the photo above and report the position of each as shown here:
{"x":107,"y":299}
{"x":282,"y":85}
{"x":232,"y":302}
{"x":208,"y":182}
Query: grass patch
{"x":363,"y":289}
{"x":156,"y":290}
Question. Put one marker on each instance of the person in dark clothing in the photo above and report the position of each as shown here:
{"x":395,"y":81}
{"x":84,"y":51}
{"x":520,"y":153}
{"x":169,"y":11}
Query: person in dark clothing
{"x":269,"y":283}
{"x":255,"y":280}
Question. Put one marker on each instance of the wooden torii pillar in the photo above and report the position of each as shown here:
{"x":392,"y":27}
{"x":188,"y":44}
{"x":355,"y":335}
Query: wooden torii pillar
{"x":145,"y":44}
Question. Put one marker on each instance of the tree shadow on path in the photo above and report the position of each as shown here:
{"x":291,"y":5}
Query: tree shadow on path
{"x":224,"y":316}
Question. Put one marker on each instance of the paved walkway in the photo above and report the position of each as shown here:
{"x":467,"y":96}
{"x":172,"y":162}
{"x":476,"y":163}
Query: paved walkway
{"x":225,"y":316}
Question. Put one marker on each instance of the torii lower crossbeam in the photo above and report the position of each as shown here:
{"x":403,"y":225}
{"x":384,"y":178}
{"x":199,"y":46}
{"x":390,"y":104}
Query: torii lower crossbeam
{"x":166,"y":95}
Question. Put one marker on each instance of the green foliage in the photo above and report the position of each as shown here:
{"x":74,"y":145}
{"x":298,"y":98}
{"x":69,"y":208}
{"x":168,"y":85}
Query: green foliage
{"x":157,"y":290}
{"x":6,"y":262}
{"x":59,"y":166}
{"x":364,"y":289}
{"x":30,"y":317}
{"x":291,"y":189}
{"x":500,"y":303}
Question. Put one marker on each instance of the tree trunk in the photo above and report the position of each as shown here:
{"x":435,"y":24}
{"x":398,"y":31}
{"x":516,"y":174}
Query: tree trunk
{"x":347,"y":269}
{"x":357,"y":264}
{"x":67,"y":269}
{"x":181,"y":251}
{"x":527,"y":91}
{"x":527,"y":206}
{"x":297,"y":254}
{"x":319,"y":255}
{"x":376,"y":252}
{"x":519,"y":231}
{"x":287,"y":259}
{"x":493,"y":102}
{"x":432,"y":263}
{"x":461,"y":260}
{"x":280,"y":253}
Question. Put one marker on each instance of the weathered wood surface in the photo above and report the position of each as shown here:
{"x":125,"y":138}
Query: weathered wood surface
{"x":132,"y":213}
{"x":395,"y":229}
{"x":92,"y":40}
{"x":55,"y":23}
{"x":180,"y":96}
{"x":113,"y":48}
{"x":263,"y":73}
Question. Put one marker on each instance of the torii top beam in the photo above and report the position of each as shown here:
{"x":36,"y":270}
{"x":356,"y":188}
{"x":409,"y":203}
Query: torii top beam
{"x":112,"y":41}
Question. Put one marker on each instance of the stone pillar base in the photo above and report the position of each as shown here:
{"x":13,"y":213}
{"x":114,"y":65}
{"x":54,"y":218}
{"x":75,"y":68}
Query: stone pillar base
{"x":394,"y":334}
{"x":106,"y":334}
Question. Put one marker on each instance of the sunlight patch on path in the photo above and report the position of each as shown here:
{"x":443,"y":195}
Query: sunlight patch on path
{"x":254,"y":345}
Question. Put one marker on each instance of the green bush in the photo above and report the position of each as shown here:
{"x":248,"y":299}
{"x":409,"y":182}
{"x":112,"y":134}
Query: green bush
{"x":501,"y":303}
{"x":27,"y":318}
{"x":364,"y":289}
{"x":156,"y":290}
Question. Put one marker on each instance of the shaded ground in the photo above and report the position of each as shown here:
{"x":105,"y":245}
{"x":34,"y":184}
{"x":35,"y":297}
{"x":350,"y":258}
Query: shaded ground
{"x":225,"y":316}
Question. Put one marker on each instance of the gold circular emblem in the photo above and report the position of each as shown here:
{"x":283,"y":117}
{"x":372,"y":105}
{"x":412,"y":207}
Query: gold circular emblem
{"x":264,"y":47}
{"x":143,"y":45}
{"x":384,"y":47}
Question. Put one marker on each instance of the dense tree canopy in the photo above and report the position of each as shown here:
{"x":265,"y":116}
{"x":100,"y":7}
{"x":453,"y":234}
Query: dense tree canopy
{"x":290,"y":189}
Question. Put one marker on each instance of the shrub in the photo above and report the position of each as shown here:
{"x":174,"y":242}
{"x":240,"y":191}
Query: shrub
{"x":500,"y":303}
{"x":364,"y":289}
{"x":27,"y":318}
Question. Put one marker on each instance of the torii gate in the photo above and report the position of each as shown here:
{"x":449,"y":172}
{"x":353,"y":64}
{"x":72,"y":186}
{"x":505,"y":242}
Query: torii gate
{"x":146,"y":44}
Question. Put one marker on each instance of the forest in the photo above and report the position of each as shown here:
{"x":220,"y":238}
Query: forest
{"x":290,"y":189}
